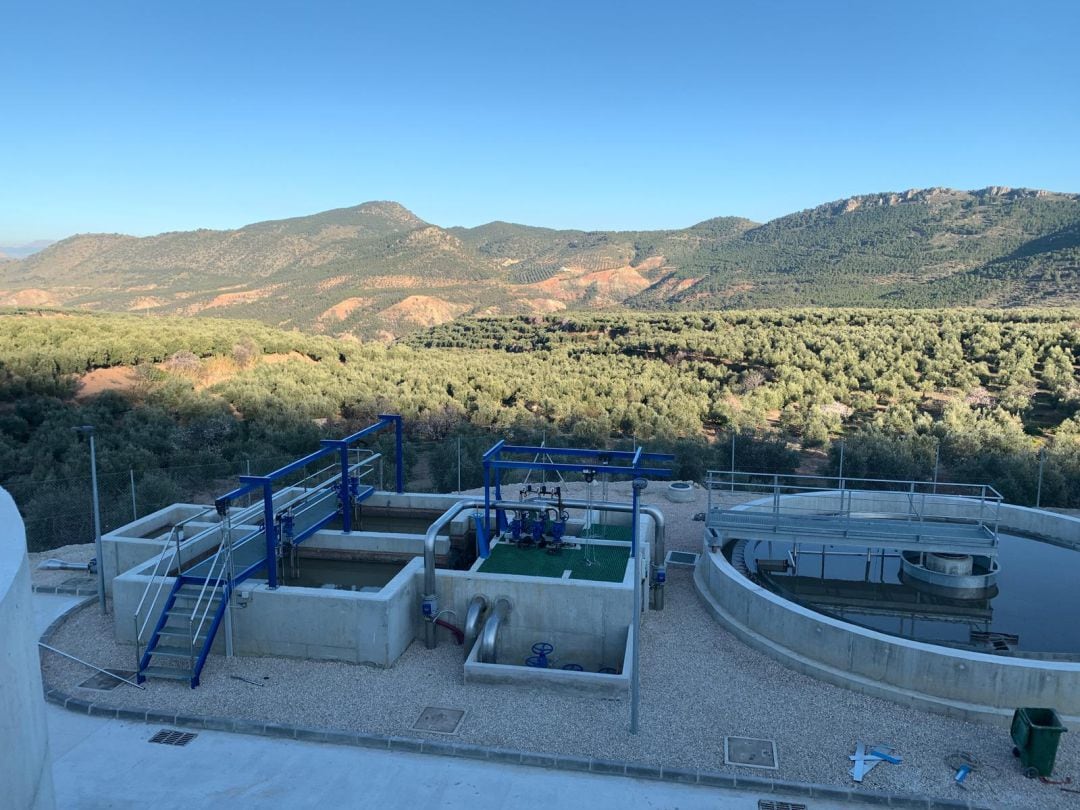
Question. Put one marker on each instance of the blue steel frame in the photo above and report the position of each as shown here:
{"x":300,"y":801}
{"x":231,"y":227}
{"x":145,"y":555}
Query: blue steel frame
{"x":265,"y":483}
{"x":493,"y":460}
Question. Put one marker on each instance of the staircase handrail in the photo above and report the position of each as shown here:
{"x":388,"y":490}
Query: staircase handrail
{"x":173,"y":550}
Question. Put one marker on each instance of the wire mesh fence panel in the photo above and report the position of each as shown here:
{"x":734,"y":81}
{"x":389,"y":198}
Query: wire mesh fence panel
{"x":58,"y":511}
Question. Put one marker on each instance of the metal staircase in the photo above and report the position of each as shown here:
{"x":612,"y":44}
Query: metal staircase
{"x":194,"y":594}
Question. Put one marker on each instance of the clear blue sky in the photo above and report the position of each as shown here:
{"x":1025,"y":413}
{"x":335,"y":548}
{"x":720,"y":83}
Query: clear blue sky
{"x":141,"y":117}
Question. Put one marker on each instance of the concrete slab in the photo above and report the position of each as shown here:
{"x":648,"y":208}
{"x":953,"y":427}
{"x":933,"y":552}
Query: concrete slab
{"x":265,"y":772}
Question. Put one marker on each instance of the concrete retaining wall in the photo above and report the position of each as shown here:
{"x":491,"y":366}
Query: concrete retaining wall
{"x":582,"y":619}
{"x":25,"y":767}
{"x":295,"y":622}
{"x":565,"y":681}
{"x":955,"y":682}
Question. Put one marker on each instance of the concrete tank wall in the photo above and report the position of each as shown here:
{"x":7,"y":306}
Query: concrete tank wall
{"x":955,"y":682}
{"x":25,"y":767}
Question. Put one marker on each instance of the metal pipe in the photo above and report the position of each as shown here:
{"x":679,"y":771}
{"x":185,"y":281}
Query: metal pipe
{"x":87,"y":663}
{"x":430,"y":599}
{"x":430,"y":603}
{"x":478,"y":606}
{"x":638,"y":487}
{"x":490,"y":633}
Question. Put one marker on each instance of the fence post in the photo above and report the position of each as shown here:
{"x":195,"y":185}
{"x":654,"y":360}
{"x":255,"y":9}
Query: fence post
{"x":1038,"y":490}
{"x":134,"y":511}
{"x":732,"y":476}
{"x":459,"y":464}
{"x":937,"y":462}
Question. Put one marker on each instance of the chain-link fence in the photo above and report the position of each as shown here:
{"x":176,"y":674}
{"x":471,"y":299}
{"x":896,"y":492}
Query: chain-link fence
{"x":59,"y":512}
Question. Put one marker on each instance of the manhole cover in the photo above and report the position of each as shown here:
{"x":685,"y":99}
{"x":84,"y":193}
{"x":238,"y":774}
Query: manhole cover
{"x":442,"y":721}
{"x":167,"y":737}
{"x":103,"y":682}
{"x":681,"y":558}
{"x":750,"y":752}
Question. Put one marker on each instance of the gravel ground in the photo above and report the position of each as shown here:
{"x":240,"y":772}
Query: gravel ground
{"x":698,"y":684}
{"x":81,"y":554}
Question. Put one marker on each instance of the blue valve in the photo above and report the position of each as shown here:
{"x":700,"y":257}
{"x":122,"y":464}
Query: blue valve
{"x":660,"y":575}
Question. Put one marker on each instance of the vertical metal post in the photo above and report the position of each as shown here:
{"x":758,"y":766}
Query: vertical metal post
{"x":271,"y":534}
{"x":937,"y":463}
{"x":487,"y":497}
{"x":97,"y":523}
{"x":1038,"y":490}
{"x":776,"y":496}
{"x":399,"y":456}
{"x":733,"y":460}
{"x":841,"y":476}
{"x":346,"y":492}
{"x":134,"y":510}
{"x":637,"y":486}
{"x":459,"y":464}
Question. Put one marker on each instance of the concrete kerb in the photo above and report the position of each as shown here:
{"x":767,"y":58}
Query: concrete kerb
{"x":634,"y":770}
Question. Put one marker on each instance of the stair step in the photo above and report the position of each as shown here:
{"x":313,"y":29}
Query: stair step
{"x":171,"y":652}
{"x":191,"y":598}
{"x":179,"y":632}
{"x":172,"y":673}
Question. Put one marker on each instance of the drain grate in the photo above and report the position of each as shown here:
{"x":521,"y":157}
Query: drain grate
{"x":772,"y":804}
{"x":103,"y":683}
{"x":750,"y":752}
{"x":167,"y":737}
{"x":441,"y":721}
{"x":681,"y":558}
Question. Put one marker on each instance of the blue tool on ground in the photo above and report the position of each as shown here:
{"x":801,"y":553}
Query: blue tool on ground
{"x":865,"y":761}
{"x":961,"y":774}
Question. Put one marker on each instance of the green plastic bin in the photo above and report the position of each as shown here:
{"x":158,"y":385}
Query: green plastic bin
{"x":1036,"y":733}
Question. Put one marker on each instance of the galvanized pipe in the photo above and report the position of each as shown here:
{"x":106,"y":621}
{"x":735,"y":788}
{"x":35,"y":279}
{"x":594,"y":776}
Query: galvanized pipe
{"x":490,"y":634}
{"x":430,"y":603}
{"x":478,"y":606}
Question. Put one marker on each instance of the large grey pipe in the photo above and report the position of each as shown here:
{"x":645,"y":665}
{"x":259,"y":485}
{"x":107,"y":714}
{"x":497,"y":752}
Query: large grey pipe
{"x":430,"y":604}
{"x":474,"y":618}
{"x":490,"y":634}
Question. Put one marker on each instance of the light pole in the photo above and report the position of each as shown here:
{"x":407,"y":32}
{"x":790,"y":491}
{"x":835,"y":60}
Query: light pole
{"x":637,"y":487}
{"x":89,"y":431}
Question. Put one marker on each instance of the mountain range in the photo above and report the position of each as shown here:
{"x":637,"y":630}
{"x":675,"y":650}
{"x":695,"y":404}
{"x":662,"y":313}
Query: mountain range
{"x":378,"y":270}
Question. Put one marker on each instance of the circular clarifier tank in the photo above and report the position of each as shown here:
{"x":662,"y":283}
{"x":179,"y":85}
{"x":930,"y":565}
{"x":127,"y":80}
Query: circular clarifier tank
{"x":970,"y":635}
{"x":970,"y":602}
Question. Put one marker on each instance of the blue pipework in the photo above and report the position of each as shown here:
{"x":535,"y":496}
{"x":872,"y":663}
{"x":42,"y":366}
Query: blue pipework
{"x":537,"y":528}
{"x":585,"y":461}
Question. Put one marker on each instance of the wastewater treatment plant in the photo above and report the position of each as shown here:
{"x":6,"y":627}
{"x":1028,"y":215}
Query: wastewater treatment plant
{"x":584,"y":611}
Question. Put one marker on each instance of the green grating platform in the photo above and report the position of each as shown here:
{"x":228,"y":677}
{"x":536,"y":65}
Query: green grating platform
{"x":609,"y":565}
{"x":604,"y":532}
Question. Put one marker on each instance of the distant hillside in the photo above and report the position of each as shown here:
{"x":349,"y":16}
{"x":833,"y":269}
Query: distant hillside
{"x":379,"y":270}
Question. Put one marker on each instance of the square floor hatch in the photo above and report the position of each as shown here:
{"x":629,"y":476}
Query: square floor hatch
{"x":441,"y":721}
{"x":103,"y":682}
{"x":681,"y":558}
{"x":773,"y":804}
{"x":750,"y":752}
{"x":168,"y":737}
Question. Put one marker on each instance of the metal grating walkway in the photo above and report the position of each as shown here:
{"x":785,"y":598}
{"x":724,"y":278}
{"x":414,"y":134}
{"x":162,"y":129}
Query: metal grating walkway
{"x":839,"y":530}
